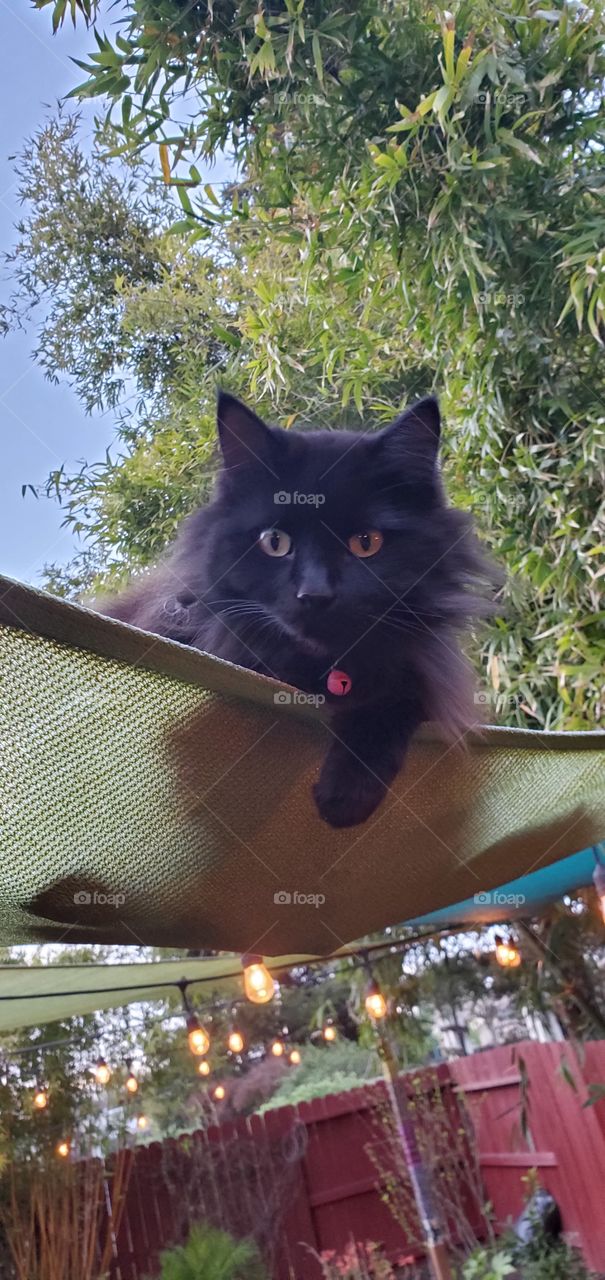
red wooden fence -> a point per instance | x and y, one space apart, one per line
311 1178
564 1138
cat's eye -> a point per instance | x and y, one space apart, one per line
274 542
365 544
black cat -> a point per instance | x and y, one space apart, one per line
330 560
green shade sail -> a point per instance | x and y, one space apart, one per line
151 794
34 994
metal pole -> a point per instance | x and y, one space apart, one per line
428 1212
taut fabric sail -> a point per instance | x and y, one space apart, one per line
153 794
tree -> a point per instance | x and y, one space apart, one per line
420 206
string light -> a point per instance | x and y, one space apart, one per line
102 1072
375 1003
259 986
236 1042
508 955
197 1038
598 877
132 1084
41 1097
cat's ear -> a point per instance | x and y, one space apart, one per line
413 438
245 440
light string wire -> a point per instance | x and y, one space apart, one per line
389 947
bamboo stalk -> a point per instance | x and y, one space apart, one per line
58 1223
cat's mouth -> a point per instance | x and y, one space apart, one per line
309 642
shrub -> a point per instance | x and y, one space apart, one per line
542 1259
212 1255
485 1264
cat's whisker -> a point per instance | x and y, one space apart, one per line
402 625
254 613
418 612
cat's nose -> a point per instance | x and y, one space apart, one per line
314 598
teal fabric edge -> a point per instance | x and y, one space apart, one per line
522 897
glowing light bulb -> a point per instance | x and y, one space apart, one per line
259 986
142 1122
63 1148
598 877
295 1058
203 1067
329 1033
277 1048
376 1005
236 1042
40 1098
199 1040
219 1092
132 1083
508 955
102 1072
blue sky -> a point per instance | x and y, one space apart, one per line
41 425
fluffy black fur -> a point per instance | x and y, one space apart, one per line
389 621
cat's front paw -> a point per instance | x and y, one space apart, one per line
349 798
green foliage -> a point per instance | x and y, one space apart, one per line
330 1069
543 1259
91 232
212 1255
87 8
540 1259
487 1264
553 1262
